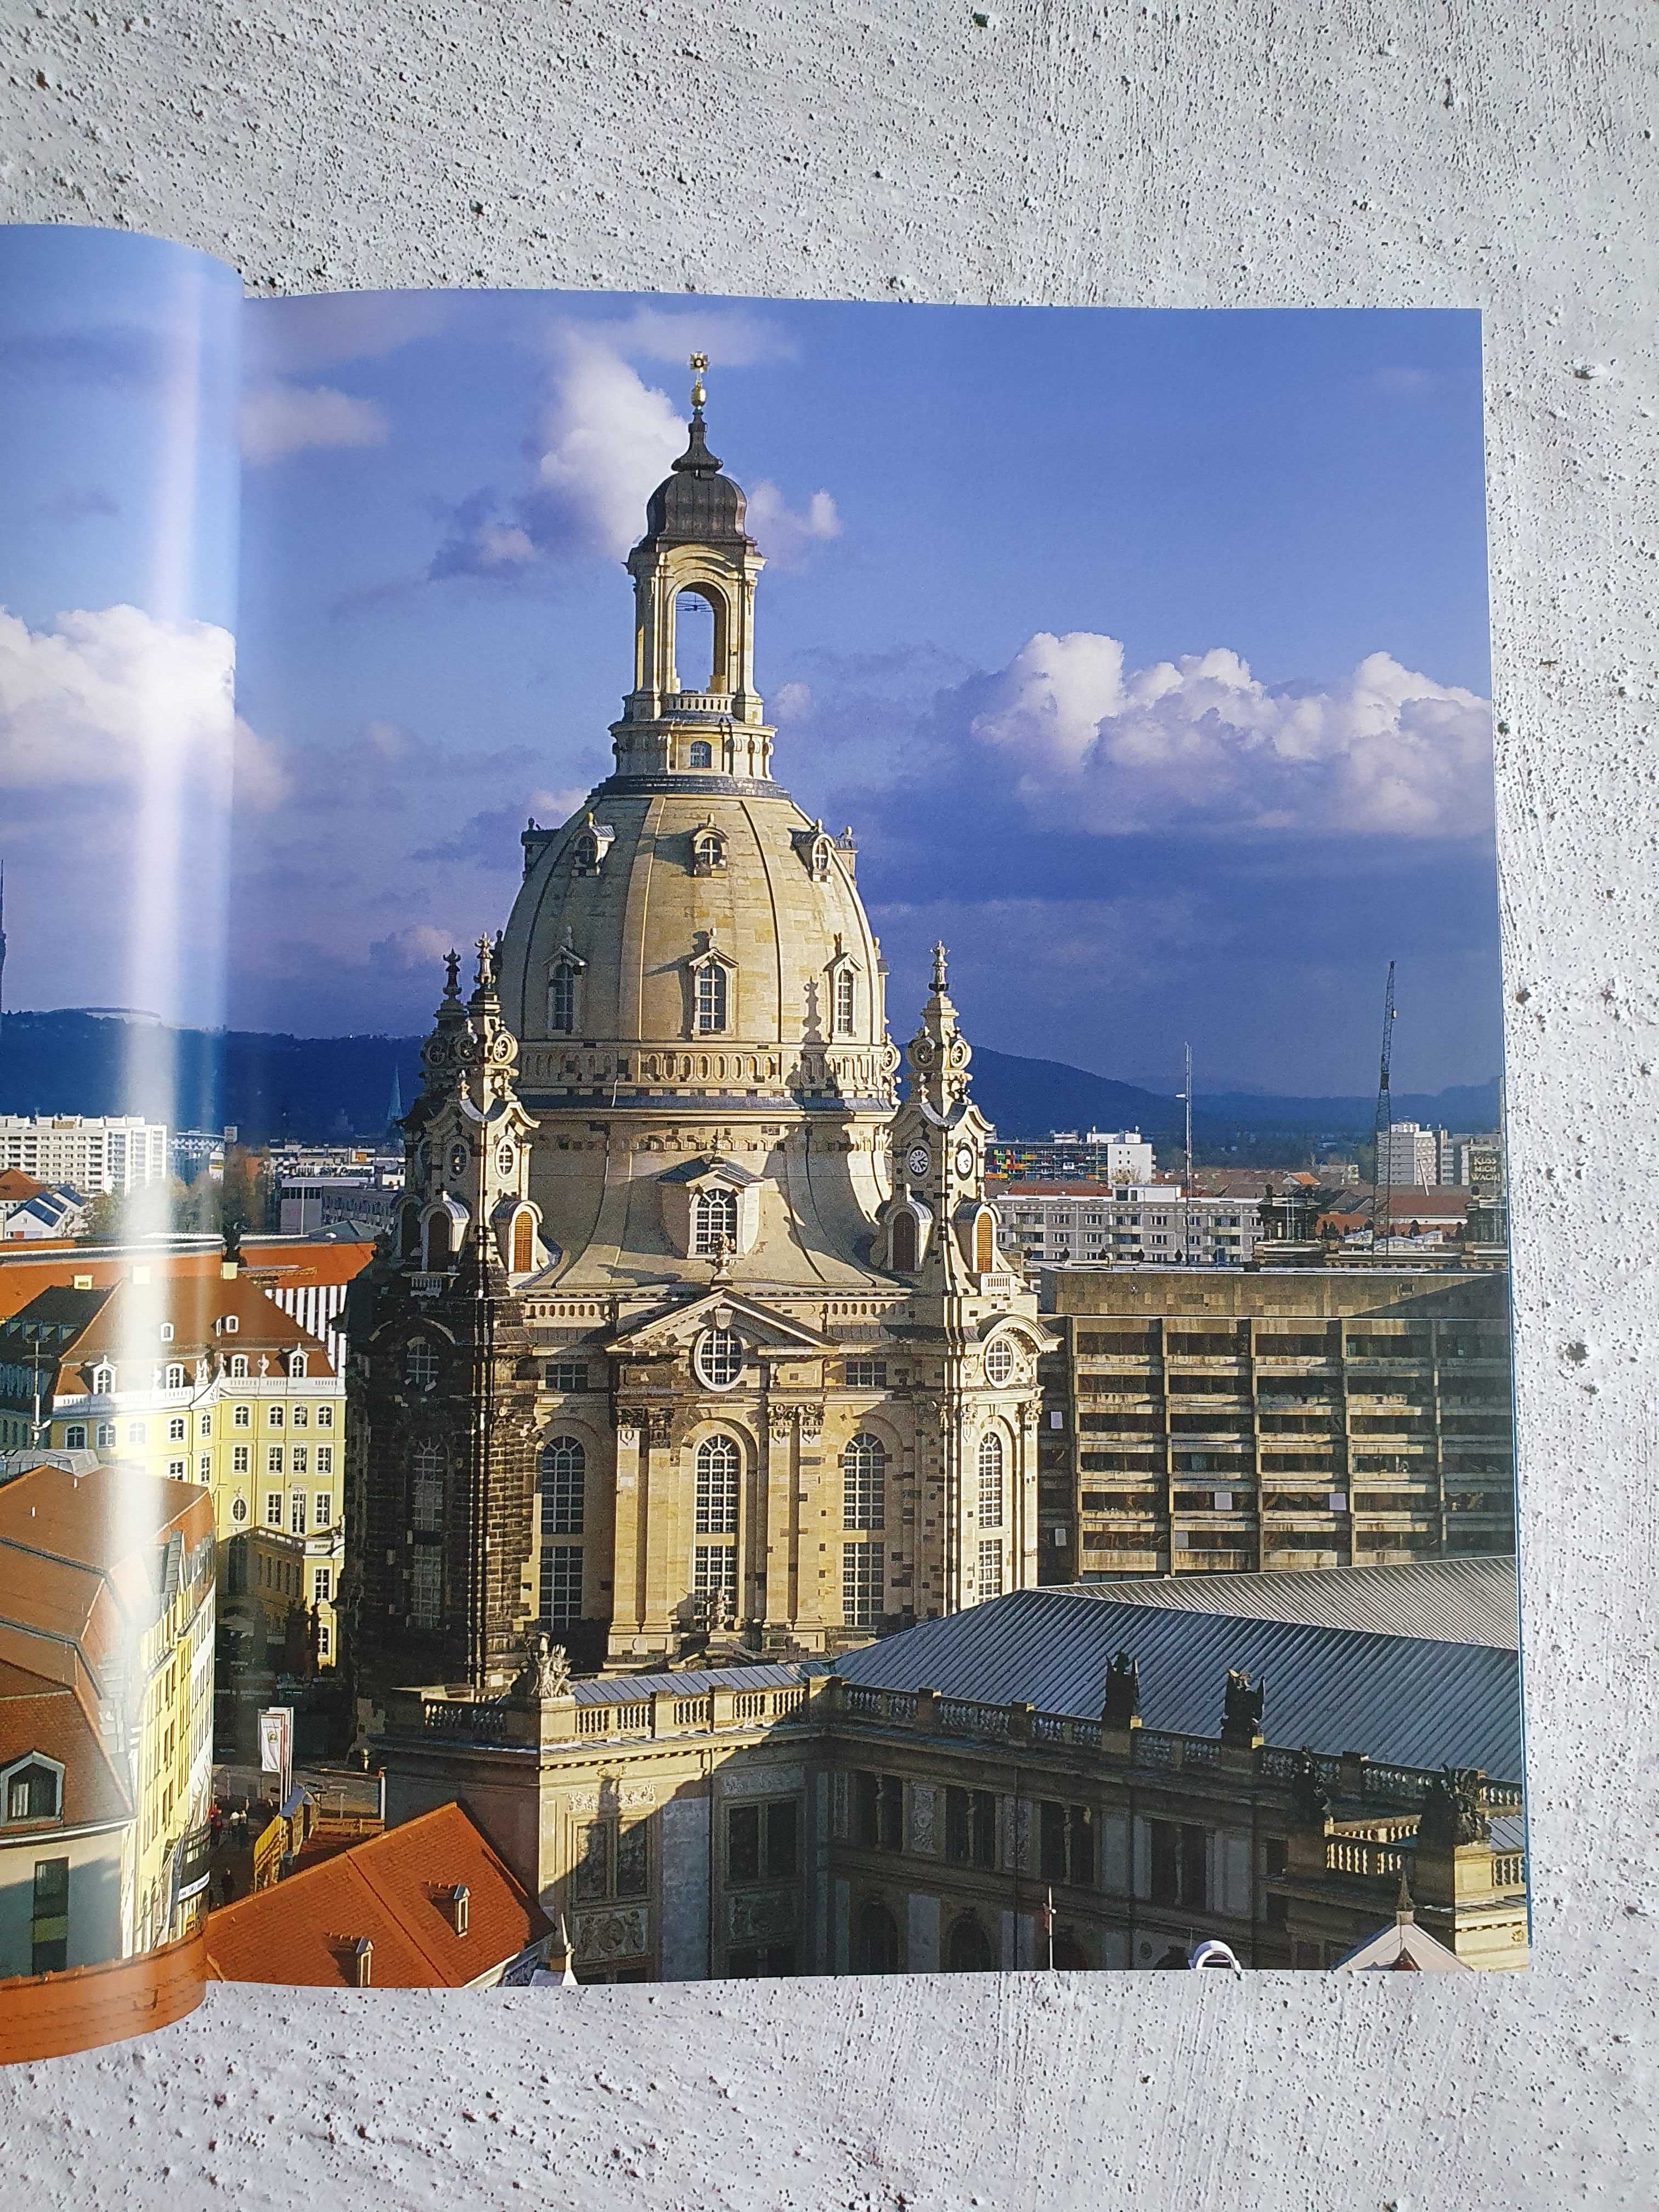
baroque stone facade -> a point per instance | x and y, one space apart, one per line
682 1264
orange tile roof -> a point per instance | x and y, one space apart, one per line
38 1713
91 1518
194 1304
393 1888
281 1263
15 1187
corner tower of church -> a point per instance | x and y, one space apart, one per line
785 1391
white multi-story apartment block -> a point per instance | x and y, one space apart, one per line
1113 1156
1414 1156
90 1152
1066 1224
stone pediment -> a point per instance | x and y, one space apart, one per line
757 1325
710 1168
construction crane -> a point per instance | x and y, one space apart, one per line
1382 1123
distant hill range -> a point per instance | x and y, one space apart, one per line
315 1089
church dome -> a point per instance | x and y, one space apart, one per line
671 926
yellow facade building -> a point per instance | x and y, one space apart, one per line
197 1377
106 1632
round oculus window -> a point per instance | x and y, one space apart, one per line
999 1360
718 1358
239 1510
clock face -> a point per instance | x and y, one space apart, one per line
917 1159
965 1160
458 1158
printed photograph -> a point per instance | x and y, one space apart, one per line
751 1084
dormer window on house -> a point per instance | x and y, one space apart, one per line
230 1324
34 1790
713 1219
167 1332
175 1377
238 1366
296 1366
103 1382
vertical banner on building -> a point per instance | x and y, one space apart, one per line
276 1746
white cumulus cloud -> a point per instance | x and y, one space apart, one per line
113 699
611 440
1202 742
785 533
279 419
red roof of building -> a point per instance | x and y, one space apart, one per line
60 1720
16 1189
277 1263
394 1889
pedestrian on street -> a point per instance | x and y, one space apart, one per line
226 1886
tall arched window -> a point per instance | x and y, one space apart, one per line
845 1003
984 1244
703 755
719 1464
564 1469
878 1939
437 1242
524 1244
864 1482
296 1368
714 1216
175 1380
711 999
904 1244
409 1241
990 1480
968 1950
426 1490
562 1002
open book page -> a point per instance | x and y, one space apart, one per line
865 1458
118 478
771 1232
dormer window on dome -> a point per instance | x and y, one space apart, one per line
564 976
816 850
708 851
594 841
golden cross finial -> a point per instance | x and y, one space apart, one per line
697 364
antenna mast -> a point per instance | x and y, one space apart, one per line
1188 1095
1382 1123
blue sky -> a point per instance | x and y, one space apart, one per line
119 473
1145 653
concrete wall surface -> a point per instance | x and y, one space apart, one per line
1313 152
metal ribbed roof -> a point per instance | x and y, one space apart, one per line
1420 1701
1443 1601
